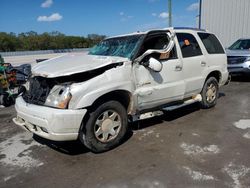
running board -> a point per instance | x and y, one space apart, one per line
195 99
148 115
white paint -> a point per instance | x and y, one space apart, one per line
17 152
242 124
150 184
247 135
146 134
157 135
8 178
196 175
195 134
147 183
197 150
139 131
4 131
236 173
80 62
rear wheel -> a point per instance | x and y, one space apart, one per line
105 128
210 93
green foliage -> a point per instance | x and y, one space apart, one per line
46 41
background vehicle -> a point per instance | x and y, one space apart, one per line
239 57
11 78
136 76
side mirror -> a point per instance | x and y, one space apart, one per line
154 64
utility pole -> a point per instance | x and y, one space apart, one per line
199 16
170 13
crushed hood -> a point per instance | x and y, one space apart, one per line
72 64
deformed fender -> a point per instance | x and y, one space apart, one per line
88 99
86 93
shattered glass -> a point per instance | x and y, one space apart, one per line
119 46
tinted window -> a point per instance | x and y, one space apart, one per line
243 44
211 43
189 45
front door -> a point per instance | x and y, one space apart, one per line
157 88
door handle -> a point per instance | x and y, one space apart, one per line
203 64
178 68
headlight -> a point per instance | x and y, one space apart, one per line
59 97
247 59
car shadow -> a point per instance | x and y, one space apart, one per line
240 78
221 94
72 147
168 116
77 148
66 147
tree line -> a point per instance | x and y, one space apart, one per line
46 41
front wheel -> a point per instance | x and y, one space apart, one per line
105 128
210 93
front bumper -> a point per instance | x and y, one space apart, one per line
50 123
239 68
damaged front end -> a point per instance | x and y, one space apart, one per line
56 92
48 92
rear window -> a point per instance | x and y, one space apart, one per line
189 45
211 43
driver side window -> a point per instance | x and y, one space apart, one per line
158 42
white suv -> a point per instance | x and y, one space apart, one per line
92 96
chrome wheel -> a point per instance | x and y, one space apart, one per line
211 93
107 126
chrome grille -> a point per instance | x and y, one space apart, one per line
37 91
236 59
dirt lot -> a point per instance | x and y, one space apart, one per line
188 147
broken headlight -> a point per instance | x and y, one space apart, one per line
59 97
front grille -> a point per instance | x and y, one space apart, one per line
236 59
38 91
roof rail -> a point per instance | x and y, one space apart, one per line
191 28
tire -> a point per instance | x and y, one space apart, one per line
210 93
105 128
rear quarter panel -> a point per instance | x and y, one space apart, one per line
214 62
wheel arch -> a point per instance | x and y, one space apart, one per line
216 74
122 96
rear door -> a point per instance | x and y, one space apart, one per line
214 53
194 63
